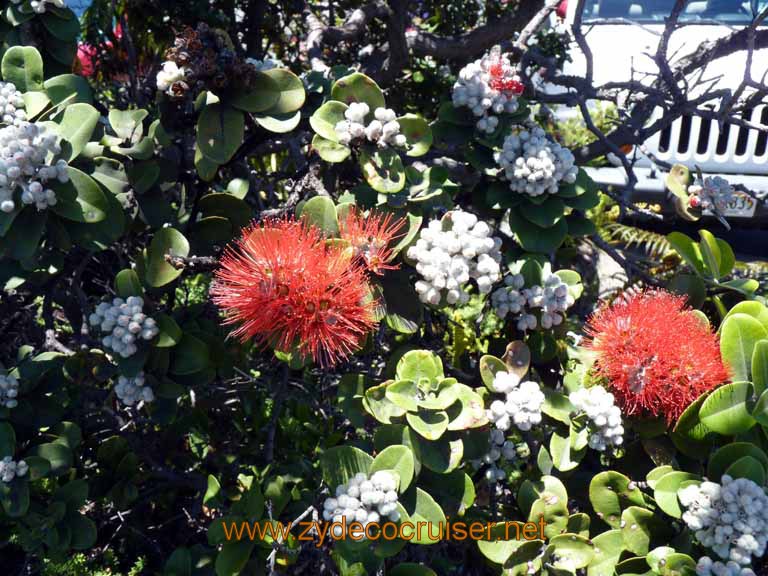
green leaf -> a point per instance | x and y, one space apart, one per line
760 411
83 531
320 211
563 457
726 456
127 283
233 557
379 406
689 250
489 367
127 124
341 463
261 95
468 412
608 548
396 458
330 151
220 132
291 91
403 393
65 86
66 29
190 355
411 569
534 238
358 88
14 497
726 411
38 467
641 528
325 118
35 103
166 241
7 440
752 308
213 495
80 199
278 123
569 550
404 311
546 214
503 541
417 134
760 366
383 170
77 127
179 563
429 424
666 489
170 334
718 256
23 67
420 364
57 454
738 335
611 492
237 211
748 467
238 187
428 511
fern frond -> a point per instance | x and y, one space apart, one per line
654 245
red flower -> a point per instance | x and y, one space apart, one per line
287 288
499 72
656 356
372 238
562 9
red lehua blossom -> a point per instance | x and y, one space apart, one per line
498 72
562 9
287 288
372 238
656 356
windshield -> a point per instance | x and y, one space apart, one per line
654 11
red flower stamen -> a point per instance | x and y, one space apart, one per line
285 287
372 239
656 356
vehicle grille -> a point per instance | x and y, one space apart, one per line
697 141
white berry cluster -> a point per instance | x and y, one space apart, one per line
168 75
39 6
131 391
447 259
522 406
475 89
553 299
731 518
383 130
10 469
25 149
713 193
501 449
9 390
125 324
264 65
364 500
707 567
535 164
11 104
604 415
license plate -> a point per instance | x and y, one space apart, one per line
739 206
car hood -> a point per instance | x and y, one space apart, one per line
623 52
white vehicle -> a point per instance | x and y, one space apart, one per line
623 36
